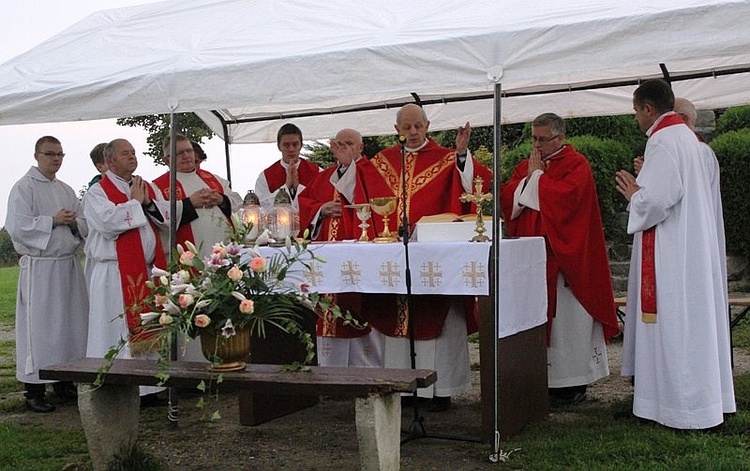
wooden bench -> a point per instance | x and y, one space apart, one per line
110 413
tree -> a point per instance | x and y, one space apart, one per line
8 254
158 127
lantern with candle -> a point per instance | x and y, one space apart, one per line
283 219
251 213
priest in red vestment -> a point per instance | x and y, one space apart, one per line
324 213
552 195
291 174
435 179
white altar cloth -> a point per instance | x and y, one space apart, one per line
446 268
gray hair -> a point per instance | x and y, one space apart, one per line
555 123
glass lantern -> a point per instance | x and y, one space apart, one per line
251 212
283 220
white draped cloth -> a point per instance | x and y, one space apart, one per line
107 221
51 303
682 363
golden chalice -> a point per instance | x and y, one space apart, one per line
384 206
363 214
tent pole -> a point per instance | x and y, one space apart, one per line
174 409
225 130
494 291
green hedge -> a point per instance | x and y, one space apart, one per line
606 156
733 119
733 151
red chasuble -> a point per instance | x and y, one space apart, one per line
185 231
433 186
346 227
133 269
570 222
275 175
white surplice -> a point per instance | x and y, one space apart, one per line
51 302
107 221
682 363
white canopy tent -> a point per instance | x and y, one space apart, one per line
246 65
327 64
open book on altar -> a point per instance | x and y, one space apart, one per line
449 227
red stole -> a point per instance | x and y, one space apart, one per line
133 268
648 247
185 231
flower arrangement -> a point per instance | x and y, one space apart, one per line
233 288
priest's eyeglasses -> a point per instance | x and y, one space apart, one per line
544 140
52 155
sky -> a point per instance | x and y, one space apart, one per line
28 23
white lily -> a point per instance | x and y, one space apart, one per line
238 295
147 317
156 271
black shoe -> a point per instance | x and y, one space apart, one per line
39 404
439 404
65 390
153 400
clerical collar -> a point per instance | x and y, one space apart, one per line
555 153
417 149
286 165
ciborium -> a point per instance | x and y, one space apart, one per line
384 206
363 214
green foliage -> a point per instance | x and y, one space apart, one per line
135 458
8 254
320 154
733 151
734 119
8 285
605 156
622 128
158 125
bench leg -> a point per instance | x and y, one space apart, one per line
379 432
109 416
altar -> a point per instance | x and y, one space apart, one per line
513 362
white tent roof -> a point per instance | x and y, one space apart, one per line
262 61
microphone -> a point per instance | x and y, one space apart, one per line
401 140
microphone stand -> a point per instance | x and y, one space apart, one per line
416 429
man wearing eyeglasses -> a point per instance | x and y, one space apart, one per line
45 222
205 200
552 194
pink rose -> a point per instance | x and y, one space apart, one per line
161 300
235 274
185 300
186 258
247 306
258 264
202 320
165 319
